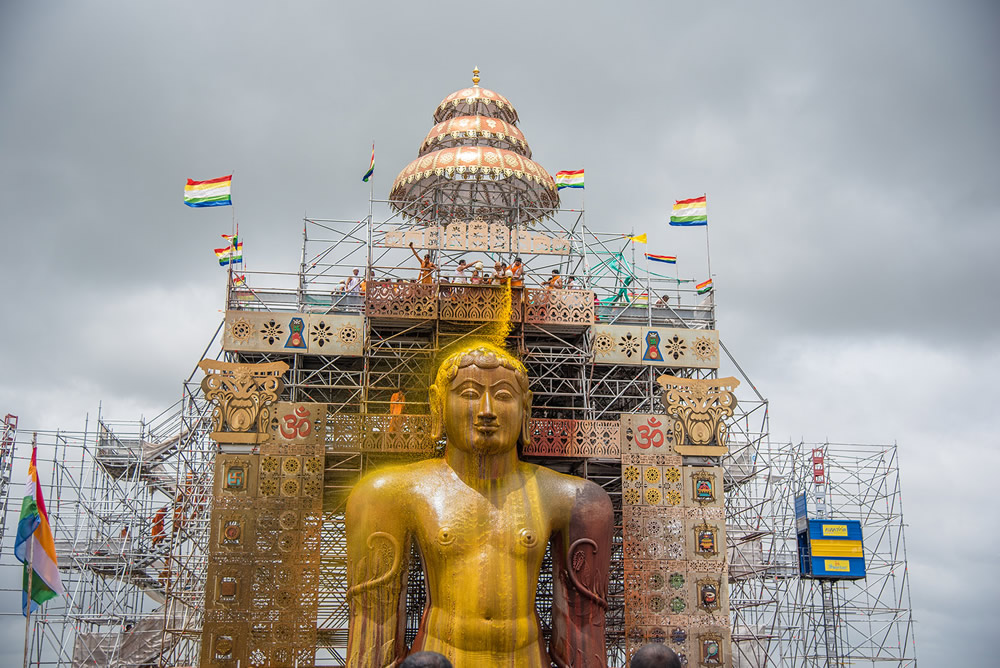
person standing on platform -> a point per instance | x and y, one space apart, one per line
517 273
426 266
499 273
460 271
354 282
396 404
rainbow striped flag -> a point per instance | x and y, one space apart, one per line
702 288
371 167
669 259
231 254
689 212
33 530
214 192
569 179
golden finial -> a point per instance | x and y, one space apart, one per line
475 76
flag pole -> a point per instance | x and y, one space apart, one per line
708 250
31 570
649 291
583 234
235 229
27 611
371 220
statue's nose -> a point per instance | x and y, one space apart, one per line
486 405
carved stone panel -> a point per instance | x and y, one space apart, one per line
396 433
304 333
463 302
710 648
574 438
647 434
299 423
655 346
559 307
475 236
703 486
242 395
616 344
687 348
706 541
699 409
235 478
401 300
336 335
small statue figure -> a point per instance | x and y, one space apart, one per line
652 353
295 327
481 520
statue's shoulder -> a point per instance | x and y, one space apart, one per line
574 489
396 481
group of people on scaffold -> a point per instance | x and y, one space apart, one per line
465 273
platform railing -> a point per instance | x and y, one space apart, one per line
481 302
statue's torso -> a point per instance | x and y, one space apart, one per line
482 552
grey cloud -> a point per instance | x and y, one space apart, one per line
849 153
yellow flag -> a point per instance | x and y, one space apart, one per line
640 238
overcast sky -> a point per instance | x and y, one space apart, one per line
849 152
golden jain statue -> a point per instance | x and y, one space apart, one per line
481 519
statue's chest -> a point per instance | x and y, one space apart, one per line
473 527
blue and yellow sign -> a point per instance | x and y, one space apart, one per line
831 550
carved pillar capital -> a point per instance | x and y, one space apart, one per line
242 395
700 409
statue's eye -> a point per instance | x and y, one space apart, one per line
469 393
503 394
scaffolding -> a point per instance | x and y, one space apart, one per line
360 325
860 622
126 503
406 326
7 439
131 500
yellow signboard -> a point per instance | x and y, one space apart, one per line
836 548
839 530
838 565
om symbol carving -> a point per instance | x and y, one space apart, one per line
649 434
296 424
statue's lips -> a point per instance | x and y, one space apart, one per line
486 429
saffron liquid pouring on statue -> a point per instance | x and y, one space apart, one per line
481 520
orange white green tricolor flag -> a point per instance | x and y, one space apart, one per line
214 192
34 545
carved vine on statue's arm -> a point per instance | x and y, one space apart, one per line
378 555
581 560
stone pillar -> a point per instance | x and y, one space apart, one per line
263 567
674 528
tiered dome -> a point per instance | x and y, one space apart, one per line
474 165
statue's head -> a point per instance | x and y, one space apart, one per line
480 399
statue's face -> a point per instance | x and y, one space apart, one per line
483 410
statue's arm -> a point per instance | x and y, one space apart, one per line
581 556
377 560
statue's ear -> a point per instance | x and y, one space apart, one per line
437 421
526 420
